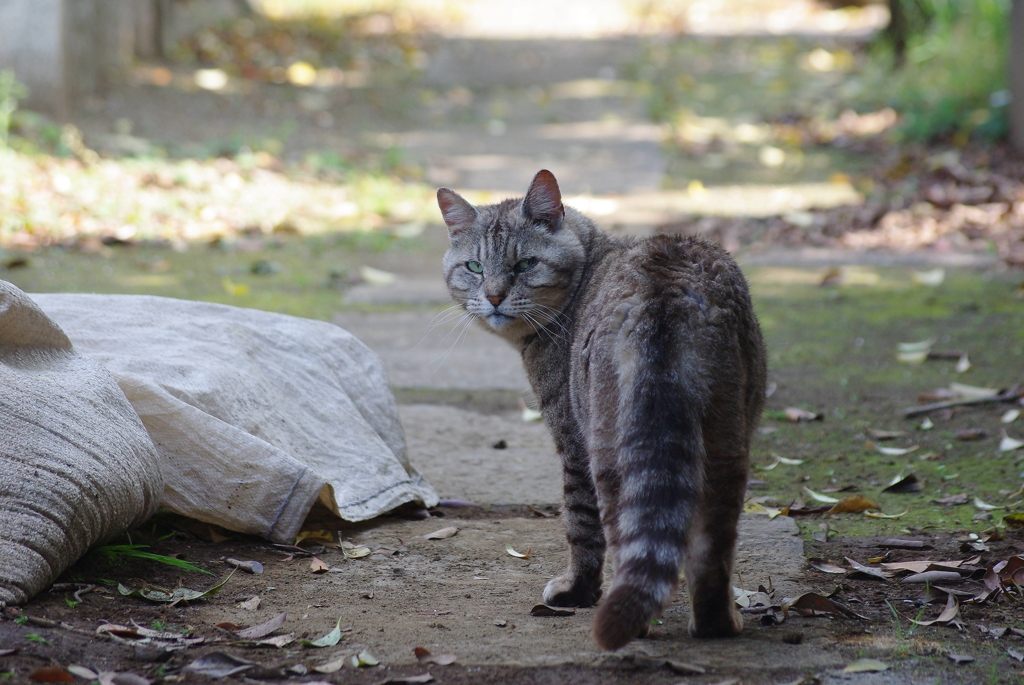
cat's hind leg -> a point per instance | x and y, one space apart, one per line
711 546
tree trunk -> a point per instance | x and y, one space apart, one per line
1016 76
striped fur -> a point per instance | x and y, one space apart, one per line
649 367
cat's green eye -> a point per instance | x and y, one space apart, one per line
525 264
475 267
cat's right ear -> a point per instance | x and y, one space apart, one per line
458 214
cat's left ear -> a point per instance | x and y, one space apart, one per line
543 201
458 214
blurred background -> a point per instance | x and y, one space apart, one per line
284 153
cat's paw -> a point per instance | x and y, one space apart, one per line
567 591
728 623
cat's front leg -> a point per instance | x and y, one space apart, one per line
580 585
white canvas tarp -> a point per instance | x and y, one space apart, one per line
254 415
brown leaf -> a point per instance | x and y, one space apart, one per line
918 566
683 668
318 566
861 569
908 483
424 656
971 434
949 613
51 674
853 504
813 604
933 577
896 543
545 610
824 566
442 534
263 629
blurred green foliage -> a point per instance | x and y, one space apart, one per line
10 92
949 68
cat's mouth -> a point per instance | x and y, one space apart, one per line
497 321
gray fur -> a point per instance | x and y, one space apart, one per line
649 366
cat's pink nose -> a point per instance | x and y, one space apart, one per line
495 299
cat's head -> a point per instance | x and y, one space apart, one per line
514 264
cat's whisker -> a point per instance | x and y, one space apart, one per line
541 329
458 322
448 314
465 329
551 316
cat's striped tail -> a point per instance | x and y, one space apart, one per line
660 462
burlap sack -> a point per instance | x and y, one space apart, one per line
76 464
255 415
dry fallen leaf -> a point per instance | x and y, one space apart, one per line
318 566
952 500
948 615
898 543
408 679
251 604
880 515
51 674
876 434
545 610
908 483
866 666
933 577
442 534
1008 444
1015 520
247 566
854 504
960 658
963 365
796 415
330 666
1010 416
813 604
314 535
825 566
351 551
932 277
895 451
263 629
862 570
517 555
424 656
817 497
985 506
364 658
915 352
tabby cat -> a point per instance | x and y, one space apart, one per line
649 366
